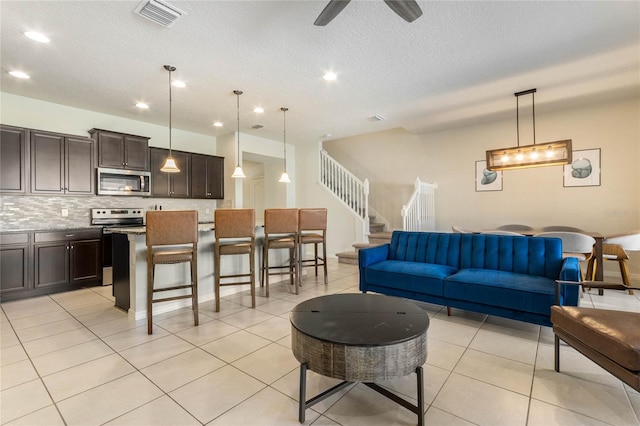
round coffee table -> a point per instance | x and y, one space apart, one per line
360 338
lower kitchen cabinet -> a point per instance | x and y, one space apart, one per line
46 262
71 257
15 258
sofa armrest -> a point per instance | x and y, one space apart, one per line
372 255
569 276
570 270
369 256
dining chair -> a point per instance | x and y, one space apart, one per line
615 248
280 232
514 227
178 229
460 230
502 232
312 229
574 244
560 228
234 236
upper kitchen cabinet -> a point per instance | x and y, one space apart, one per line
13 159
121 150
61 164
170 184
207 176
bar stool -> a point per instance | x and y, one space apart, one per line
235 235
280 232
171 228
312 229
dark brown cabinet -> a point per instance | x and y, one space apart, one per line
15 258
61 164
13 159
67 259
44 262
170 184
121 150
207 176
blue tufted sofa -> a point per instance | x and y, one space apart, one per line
507 276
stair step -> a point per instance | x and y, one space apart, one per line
348 257
376 227
358 246
380 237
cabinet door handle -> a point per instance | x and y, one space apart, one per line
70 235
67 247
72 247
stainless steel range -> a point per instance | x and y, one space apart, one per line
113 218
117 217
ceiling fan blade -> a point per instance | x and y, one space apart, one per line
406 9
330 11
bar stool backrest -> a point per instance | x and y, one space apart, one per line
281 221
312 219
168 227
234 223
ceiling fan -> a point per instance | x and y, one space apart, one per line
406 9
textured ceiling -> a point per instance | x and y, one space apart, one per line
458 64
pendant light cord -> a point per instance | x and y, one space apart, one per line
238 93
170 113
284 126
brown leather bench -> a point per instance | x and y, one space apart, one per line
609 338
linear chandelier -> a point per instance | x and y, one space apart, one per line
521 157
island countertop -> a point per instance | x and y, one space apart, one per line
142 230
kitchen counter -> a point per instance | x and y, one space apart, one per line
130 270
141 230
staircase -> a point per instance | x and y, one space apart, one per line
378 236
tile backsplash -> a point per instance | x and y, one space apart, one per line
33 212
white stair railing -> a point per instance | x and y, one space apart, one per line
419 214
347 188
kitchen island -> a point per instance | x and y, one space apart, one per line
130 270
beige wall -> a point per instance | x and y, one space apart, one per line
392 160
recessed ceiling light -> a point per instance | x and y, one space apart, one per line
330 76
258 110
37 36
142 105
217 124
178 83
19 74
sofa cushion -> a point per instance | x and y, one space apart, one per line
614 334
523 255
410 276
426 247
521 292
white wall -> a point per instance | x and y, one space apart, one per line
35 114
535 197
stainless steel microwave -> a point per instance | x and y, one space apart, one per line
123 182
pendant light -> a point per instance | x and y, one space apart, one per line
170 165
285 177
521 157
238 173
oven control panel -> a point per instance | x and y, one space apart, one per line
117 216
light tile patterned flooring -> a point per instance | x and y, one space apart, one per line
72 358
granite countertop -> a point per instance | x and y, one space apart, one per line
51 229
141 230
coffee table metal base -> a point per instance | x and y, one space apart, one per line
304 403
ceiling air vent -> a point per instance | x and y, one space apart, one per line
256 126
159 12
